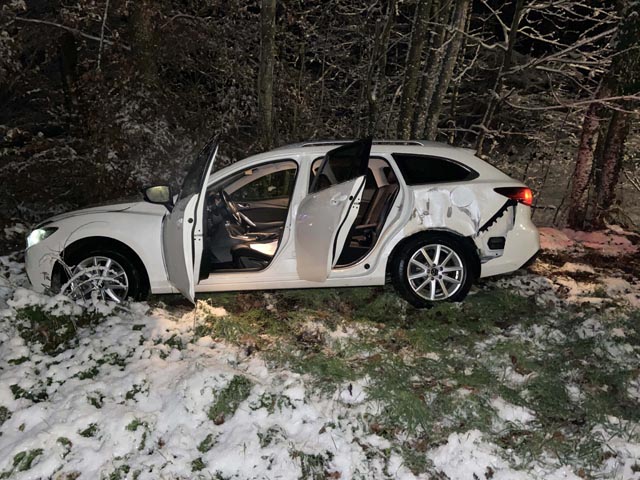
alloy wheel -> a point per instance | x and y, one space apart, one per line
100 278
435 272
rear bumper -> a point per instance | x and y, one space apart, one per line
521 246
531 261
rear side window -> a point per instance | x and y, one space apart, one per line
421 169
341 165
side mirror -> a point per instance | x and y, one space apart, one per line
159 194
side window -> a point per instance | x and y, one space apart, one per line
340 165
268 182
194 179
422 169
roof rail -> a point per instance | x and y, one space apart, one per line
399 142
320 143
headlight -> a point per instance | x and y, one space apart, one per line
39 234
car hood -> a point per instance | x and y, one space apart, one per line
134 207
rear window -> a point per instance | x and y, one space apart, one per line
421 169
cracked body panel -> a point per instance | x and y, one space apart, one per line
479 214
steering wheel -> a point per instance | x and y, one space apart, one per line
233 211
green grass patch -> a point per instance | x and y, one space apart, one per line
22 461
96 399
207 444
89 373
54 332
313 466
229 398
271 435
272 402
17 361
5 414
90 431
175 341
66 445
120 473
382 306
112 358
393 384
136 389
230 328
33 394
134 424
197 465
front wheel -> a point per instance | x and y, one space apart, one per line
432 268
103 274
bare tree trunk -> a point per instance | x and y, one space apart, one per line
298 99
433 65
375 81
458 74
610 165
265 74
144 40
623 77
584 162
507 61
459 21
104 24
68 67
409 88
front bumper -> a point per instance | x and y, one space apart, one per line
39 262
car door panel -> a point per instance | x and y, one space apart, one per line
326 215
183 227
322 223
176 241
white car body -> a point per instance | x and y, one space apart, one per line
469 209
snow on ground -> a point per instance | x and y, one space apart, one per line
134 399
512 413
134 396
468 456
612 242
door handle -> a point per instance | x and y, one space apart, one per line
338 198
243 205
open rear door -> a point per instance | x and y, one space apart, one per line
183 227
326 215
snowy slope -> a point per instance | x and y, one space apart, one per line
131 397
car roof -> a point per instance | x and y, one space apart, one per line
318 148
385 145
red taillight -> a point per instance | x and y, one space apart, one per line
523 195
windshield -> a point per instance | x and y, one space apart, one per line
195 177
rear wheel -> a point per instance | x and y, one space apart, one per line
103 274
432 268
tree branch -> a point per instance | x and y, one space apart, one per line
104 24
557 55
72 30
578 103
633 181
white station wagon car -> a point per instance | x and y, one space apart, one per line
429 216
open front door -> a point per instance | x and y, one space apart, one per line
326 215
183 227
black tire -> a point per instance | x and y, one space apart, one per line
400 268
137 277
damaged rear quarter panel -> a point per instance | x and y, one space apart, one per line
462 209
470 210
